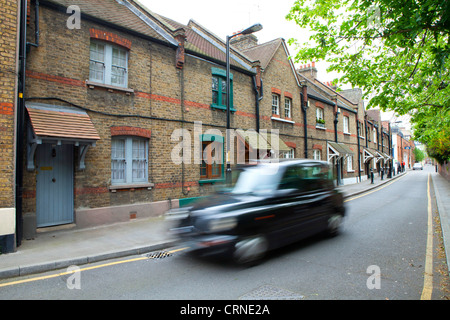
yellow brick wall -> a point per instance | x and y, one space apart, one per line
8 71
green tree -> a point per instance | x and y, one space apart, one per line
396 51
419 155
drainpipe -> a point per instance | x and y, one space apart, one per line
365 128
20 125
338 162
36 26
304 97
336 120
382 145
359 147
259 94
180 36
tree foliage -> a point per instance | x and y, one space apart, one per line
419 155
396 51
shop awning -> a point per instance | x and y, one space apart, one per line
253 139
339 150
275 142
262 141
386 156
59 125
379 155
368 155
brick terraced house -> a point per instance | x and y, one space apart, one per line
125 112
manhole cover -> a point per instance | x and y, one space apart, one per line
269 292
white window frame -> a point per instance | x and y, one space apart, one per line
317 154
350 164
346 122
319 113
287 107
128 160
289 154
275 104
108 64
361 162
374 135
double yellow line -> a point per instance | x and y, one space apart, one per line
81 269
428 277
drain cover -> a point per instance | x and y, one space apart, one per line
269 292
158 255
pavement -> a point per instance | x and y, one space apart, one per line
59 249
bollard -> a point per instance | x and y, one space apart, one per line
371 176
382 173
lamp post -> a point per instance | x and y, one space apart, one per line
250 30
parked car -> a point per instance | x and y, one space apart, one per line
417 166
271 205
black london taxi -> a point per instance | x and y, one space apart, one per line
270 205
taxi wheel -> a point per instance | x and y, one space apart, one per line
334 224
250 250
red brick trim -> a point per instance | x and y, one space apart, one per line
277 91
245 114
110 37
167 185
317 146
6 108
290 144
130 131
52 78
288 94
156 97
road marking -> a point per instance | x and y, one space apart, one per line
82 269
428 276
375 190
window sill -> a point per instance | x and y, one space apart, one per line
347 133
321 128
110 88
115 187
281 120
220 107
210 181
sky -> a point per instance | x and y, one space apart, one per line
228 16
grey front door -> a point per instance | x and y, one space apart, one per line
54 185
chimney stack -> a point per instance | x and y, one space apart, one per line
308 71
243 42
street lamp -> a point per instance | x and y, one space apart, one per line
250 30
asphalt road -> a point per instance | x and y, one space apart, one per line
380 254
